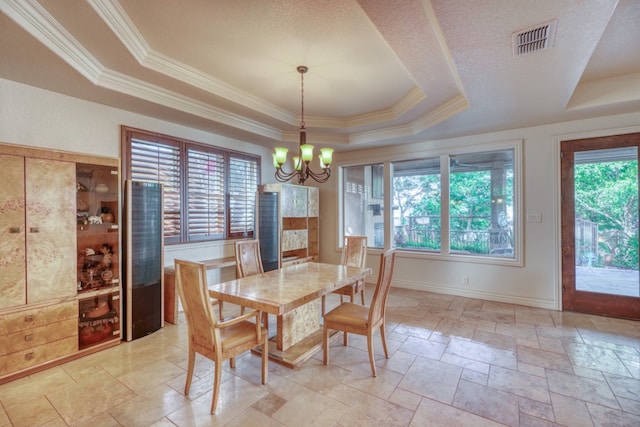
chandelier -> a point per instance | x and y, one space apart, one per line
301 168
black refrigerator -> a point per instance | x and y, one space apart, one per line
143 250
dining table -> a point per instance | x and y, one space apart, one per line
292 294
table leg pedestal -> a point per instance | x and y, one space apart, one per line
298 353
298 335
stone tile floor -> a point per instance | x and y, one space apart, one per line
453 362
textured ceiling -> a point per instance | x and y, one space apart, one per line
380 72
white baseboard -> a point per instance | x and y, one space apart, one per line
470 293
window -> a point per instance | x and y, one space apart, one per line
447 204
416 204
481 203
205 195
243 184
362 212
159 162
377 181
209 192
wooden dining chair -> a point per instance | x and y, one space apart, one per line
354 254
248 260
362 320
211 338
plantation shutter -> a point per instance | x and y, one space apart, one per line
152 161
243 184
209 191
205 192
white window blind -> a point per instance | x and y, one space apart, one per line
243 184
156 162
205 195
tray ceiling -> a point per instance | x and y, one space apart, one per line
380 72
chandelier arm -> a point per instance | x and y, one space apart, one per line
325 174
325 171
303 175
321 180
283 176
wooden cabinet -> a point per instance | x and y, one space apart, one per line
43 301
298 222
38 230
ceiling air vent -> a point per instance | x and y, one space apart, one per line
533 39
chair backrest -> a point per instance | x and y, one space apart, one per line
354 251
191 281
248 259
379 299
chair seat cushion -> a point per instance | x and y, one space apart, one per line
354 315
235 335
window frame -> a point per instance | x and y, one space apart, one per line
445 253
184 146
368 204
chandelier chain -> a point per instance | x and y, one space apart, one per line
302 99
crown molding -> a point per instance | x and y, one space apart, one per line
608 91
34 19
142 90
41 25
115 17
455 105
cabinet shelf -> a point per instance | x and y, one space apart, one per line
98 272
98 292
98 319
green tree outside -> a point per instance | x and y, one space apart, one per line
607 194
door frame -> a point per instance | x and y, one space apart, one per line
583 301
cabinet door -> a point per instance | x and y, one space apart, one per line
50 190
294 201
98 237
12 237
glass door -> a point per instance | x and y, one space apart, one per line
600 226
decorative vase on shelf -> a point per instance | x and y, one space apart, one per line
106 217
102 188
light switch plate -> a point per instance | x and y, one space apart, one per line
534 217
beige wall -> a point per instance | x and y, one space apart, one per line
30 116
